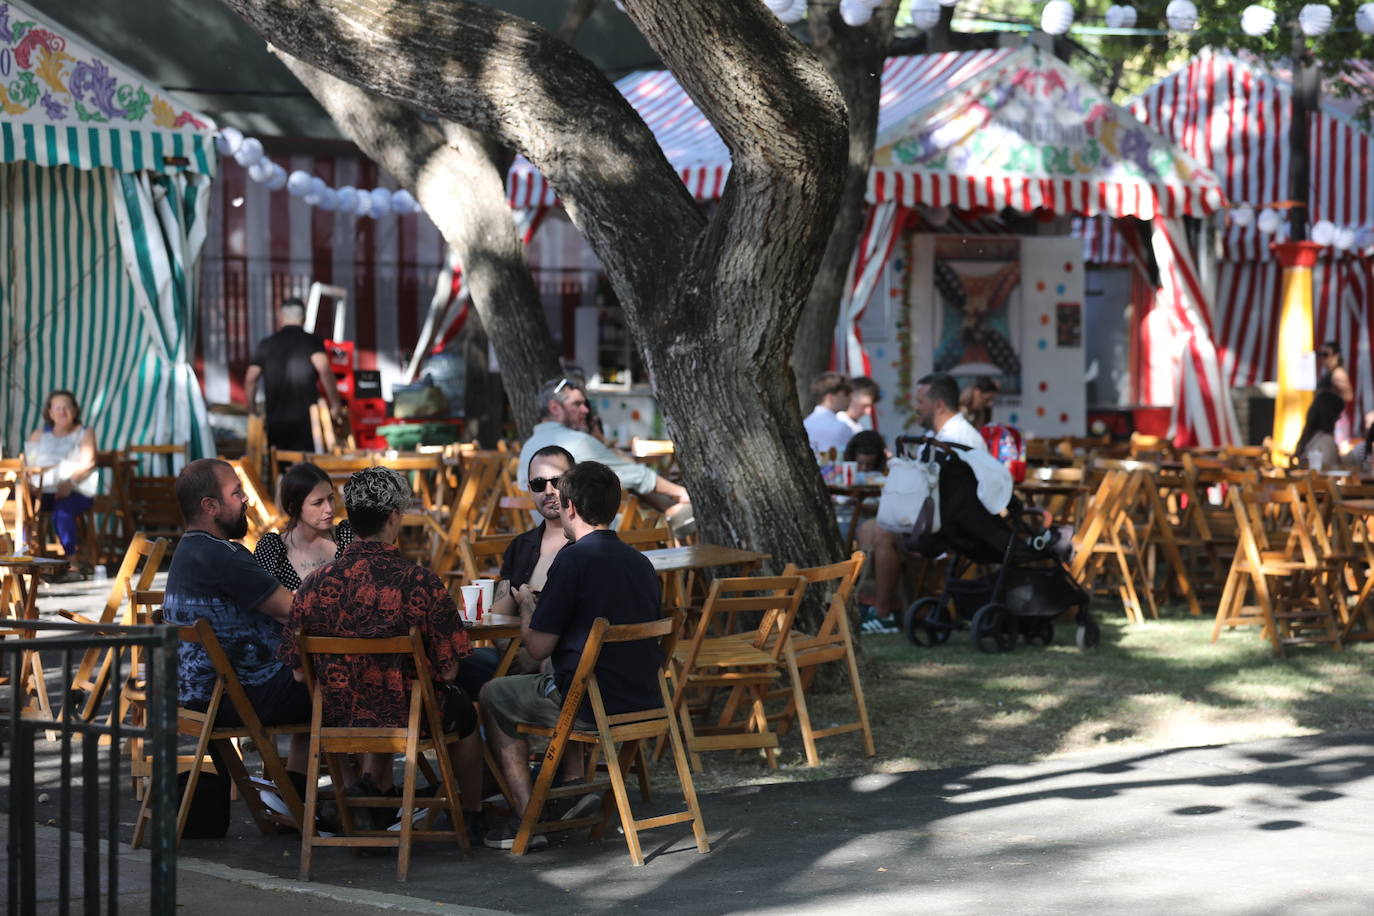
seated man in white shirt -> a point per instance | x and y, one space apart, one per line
824 429
937 407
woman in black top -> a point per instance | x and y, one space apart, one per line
310 538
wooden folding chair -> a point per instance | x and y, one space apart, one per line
168 452
1291 584
220 738
477 560
618 739
1100 540
480 477
747 663
135 574
422 733
153 507
833 642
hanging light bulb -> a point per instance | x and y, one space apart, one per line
1182 15
855 12
277 180
249 152
348 199
1315 19
1056 17
1121 17
1257 20
329 200
381 202
925 14
261 171
1364 18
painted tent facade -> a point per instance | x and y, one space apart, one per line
973 132
104 185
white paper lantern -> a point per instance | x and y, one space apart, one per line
1182 15
329 200
228 141
381 202
402 203
1315 20
873 4
1257 21
249 152
925 14
261 171
794 13
1269 221
1121 17
777 7
299 183
1364 237
312 199
348 199
1345 238
1056 17
277 180
1364 18
855 12
317 186
1243 216
362 203
1323 232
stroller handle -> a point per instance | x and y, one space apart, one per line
903 441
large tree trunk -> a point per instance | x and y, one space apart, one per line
714 304
455 174
854 57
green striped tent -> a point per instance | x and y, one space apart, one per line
104 187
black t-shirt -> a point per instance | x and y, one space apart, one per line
288 378
602 576
522 556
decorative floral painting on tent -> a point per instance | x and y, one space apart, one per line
978 283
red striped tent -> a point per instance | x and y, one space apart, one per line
1233 116
980 131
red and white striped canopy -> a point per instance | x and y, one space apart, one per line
991 128
1233 116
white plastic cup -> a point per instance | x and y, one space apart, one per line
847 471
1314 459
472 603
99 574
488 593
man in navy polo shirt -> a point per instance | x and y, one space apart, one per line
597 575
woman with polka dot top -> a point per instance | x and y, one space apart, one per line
310 538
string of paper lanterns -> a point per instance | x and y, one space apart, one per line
1057 16
1323 232
311 189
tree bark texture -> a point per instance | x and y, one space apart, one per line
714 304
454 175
854 57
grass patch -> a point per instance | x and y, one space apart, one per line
1154 685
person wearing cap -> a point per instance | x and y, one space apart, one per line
372 591
564 406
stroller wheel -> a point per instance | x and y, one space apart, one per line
1089 634
994 629
1037 631
927 623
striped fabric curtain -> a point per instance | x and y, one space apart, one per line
162 227
67 316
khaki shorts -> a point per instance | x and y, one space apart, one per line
529 699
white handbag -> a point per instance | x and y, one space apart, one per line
912 486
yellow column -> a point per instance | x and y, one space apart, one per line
1294 342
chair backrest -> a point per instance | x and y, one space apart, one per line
226 679
775 598
665 630
169 452
149 554
647 538
411 644
845 577
477 556
153 505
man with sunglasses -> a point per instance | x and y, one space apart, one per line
529 555
565 408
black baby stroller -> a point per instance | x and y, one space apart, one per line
1030 588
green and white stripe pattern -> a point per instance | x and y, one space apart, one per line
123 150
72 317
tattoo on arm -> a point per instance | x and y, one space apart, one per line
502 590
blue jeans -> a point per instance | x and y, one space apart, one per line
64 514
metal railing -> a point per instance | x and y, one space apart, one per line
157 646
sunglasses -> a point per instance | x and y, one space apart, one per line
537 484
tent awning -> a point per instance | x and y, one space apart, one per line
64 103
991 128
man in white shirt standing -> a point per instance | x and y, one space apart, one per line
823 427
863 394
